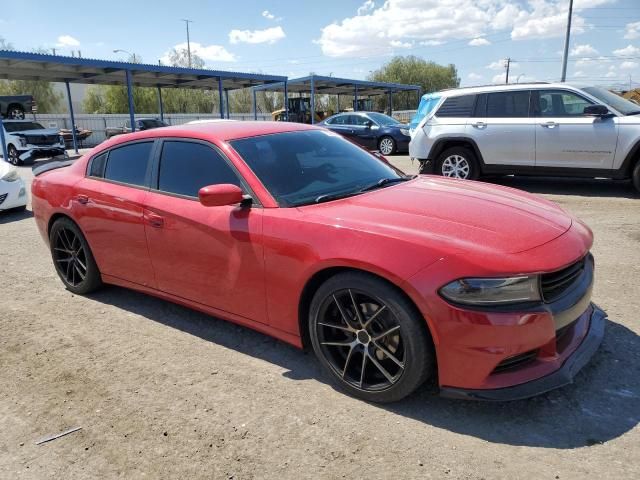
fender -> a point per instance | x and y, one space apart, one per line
442 143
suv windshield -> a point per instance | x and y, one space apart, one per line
427 104
382 119
311 166
622 105
20 126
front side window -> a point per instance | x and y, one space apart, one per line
128 164
622 105
301 167
186 167
508 104
382 119
359 120
337 120
561 103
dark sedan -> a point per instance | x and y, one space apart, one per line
372 130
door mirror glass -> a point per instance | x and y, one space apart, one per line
596 111
220 195
368 124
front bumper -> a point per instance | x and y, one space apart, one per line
32 153
12 194
559 378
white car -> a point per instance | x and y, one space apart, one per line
13 193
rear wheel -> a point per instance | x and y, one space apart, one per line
370 338
387 145
72 257
636 176
458 162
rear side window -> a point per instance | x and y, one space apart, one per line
508 104
128 164
186 167
97 166
461 106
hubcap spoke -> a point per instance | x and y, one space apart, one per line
381 368
364 367
357 309
337 344
343 314
389 354
339 327
373 317
346 362
84 267
384 334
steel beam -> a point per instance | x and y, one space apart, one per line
226 101
5 152
286 102
160 106
355 98
255 105
73 120
132 117
220 97
313 101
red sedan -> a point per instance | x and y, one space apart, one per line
295 232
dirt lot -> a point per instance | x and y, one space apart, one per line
164 392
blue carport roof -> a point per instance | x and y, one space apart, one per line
337 86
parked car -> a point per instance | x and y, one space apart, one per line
28 141
13 194
15 106
529 129
294 231
141 124
372 130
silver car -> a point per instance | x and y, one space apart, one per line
533 129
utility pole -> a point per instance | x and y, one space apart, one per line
565 54
187 22
507 65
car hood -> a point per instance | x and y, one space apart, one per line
435 210
39 131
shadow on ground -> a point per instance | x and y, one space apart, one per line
602 405
16 215
583 187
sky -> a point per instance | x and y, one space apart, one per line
347 38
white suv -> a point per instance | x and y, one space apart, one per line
530 129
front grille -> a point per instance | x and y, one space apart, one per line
42 139
516 361
3 198
554 284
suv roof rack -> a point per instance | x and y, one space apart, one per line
492 85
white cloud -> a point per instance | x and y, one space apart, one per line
67 41
479 42
500 78
611 74
501 65
628 65
432 43
268 14
585 50
579 74
627 51
268 35
474 76
366 7
212 53
399 44
632 31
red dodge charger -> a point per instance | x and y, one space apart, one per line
296 232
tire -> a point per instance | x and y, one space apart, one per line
458 162
15 112
636 176
396 338
72 258
14 156
387 145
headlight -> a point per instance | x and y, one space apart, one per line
23 141
405 131
11 175
492 291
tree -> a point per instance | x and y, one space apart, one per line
47 99
413 70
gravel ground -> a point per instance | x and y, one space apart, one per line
161 391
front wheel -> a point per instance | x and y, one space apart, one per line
370 338
14 156
458 162
387 145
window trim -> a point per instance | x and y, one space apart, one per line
155 170
535 106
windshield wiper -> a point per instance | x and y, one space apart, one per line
327 197
383 182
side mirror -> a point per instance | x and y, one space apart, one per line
596 111
369 124
220 195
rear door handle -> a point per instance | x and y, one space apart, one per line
479 124
549 124
81 199
153 219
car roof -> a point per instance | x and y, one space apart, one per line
506 87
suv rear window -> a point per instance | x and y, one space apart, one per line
461 106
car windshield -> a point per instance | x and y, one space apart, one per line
622 105
311 166
382 119
426 106
20 126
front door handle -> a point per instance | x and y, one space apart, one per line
549 124
153 219
479 124
81 199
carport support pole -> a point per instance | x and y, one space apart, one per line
160 106
73 120
338 107
390 103
286 102
255 105
226 101
132 119
313 101
220 97
355 98
5 153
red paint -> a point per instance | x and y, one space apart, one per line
250 265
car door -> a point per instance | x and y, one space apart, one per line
503 129
108 206
365 131
567 138
209 255
337 124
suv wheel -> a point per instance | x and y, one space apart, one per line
14 156
458 162
15 112
636 176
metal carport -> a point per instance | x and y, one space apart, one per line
55 68
318 84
